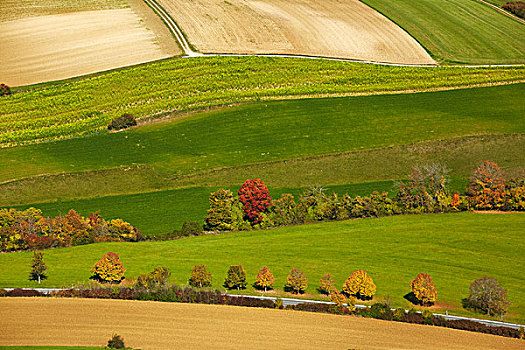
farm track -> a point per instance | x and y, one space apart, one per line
154 325
185 45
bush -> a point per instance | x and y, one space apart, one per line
488 296
424 290
200 277
154 279
284 211
398 315
516 7
296 282
264 279
515 198
279 304
236 277
116 342
311 307
360 285
486 189
326 284
19 292
255 197
220 215
109 269
123 122
380 311
191 229
4 90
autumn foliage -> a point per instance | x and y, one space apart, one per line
200 277
109 269
220 214
360 285
326 284
255 197
236 277
486 189
297 281
264 279
424 290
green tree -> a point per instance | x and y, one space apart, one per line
38 267
220 215
296 282
200 277
236 277
488 296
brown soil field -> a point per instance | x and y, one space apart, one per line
54 47
331 28
155 325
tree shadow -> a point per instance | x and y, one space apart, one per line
411 297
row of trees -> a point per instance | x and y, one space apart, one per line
426 191
486 294
29 229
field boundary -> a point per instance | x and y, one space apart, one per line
506 13
294 301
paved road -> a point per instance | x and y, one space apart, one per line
292 301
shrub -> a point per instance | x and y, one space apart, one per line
284 211
360 285
123 122
116 342
380 311
191 229
264 279
515 7
154 279
398 315
279 304
19 292
38 267
220 215
109 269
488 296
486 189
428 317
339 299
311 307
236 277
424 290
200 277
296 282
426 190
4 90
125 231
515 198
326 284
255 197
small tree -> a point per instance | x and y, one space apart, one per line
486 189
424 290
125 121
236 277
360 285
200 277
255 197
326 284
109 269
38 267
339 299
156 278
220 215
296 282
4 90
264 279
116 342
488 296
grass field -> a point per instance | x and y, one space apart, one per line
453 248
86 106
458 31
167 326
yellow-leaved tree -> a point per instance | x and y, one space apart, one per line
264 279
360 285
109 269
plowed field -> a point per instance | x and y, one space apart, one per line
335 28
45 48
154 325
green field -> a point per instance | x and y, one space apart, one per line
178 85
290 144
453 248
458 31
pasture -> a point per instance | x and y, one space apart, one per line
153 325
86 106
458 31
454 249
328 28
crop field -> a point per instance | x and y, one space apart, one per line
86 106
153 325
346 29
454 249
458 31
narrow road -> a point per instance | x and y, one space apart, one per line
292 301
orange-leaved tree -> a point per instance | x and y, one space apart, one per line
264 279
486 189
424 290
108 269
360 285
200 277
296 282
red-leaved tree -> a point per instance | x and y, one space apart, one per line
255 197
486 189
